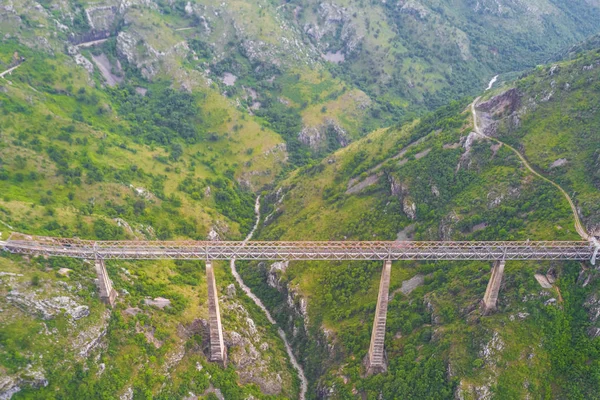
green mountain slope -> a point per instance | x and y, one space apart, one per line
147 119
551 115
436 180
320 74
429 51
143 160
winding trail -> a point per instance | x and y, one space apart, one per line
9 71
578 225
259 303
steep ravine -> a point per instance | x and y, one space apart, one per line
246 289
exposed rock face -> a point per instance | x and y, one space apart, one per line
231 292
148 60
409 208
47 308
246 350
12 384
101 18
92 338
413 8
436 319
318 137
335 24
465 159
400 190
447 225
213 235
9 385
127 48
273 278
490 350
489 353
294 300
504 108
84 62
592 304
159 302
295 308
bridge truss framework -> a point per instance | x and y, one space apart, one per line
347 250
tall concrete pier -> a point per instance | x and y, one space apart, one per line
490 300
376 362
107 294
217 346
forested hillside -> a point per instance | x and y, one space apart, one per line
437 180
320 74
409 54
152 119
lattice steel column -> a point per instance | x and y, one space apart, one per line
490 299
217 346
107 294
376 362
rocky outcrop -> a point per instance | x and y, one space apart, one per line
47 308
319 137
490 354
503 109
592 305
84 62
294 300
9 385
12 384
295 310
101 18
400 190
447 226
247 350
334 25
148 60
414 8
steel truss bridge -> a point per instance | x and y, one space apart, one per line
259 250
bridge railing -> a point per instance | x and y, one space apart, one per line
299 250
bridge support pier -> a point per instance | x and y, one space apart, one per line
490 299
217 346
376 360
107 293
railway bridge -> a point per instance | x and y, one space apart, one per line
497 252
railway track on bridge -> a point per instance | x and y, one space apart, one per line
335 250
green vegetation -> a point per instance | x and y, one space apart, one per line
78 160
458 194
560 137
141 341
209 114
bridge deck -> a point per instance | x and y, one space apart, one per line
255 250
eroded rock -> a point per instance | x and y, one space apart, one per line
47 308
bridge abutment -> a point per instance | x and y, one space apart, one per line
376 360
217 346
490 299
107 293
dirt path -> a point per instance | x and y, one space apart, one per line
578 225
9 71
259 303
92 43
